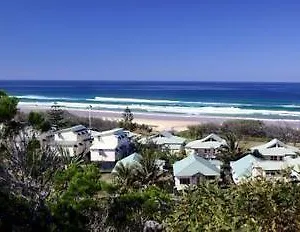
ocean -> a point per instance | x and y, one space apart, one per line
230 99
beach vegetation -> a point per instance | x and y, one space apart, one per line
8 107
258 205
39 121
127 115
199 131
128 124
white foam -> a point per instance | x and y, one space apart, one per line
206 110
37 97
140 100
290 106
131 100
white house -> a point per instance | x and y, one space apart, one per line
166 140
276 150
270 161
192 170
109 146
206 147
75 140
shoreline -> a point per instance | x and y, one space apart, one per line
162 121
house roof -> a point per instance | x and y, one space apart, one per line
129 160
164 138
168 140
74 129
242 168
115 131
276 147
131 134
193 165
210 141
134 159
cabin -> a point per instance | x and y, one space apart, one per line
109 147
207 147
270 161
166 140
276 150
192 170
74 140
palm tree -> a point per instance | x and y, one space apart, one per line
125 176
229 152
149 172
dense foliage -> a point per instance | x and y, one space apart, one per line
258 205
245 130
8 107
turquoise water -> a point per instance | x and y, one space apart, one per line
254 100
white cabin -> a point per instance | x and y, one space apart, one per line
75 140
109 146
206 147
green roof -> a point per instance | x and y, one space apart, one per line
242 168
194 164
129 160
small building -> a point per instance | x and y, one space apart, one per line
166 140
109 147
271 161
206 147
192 170
75 140
276 150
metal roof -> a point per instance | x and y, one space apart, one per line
242 168
194 164
129 160
74 129
210 141
276 147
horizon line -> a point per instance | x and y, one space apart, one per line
166 81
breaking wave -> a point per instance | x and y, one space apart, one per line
191 110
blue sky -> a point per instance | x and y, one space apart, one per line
150 40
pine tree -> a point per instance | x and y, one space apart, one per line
56 116
127 115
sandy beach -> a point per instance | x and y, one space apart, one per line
161 121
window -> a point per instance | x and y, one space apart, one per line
184 181
272 157
205 150
272 173
280 158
